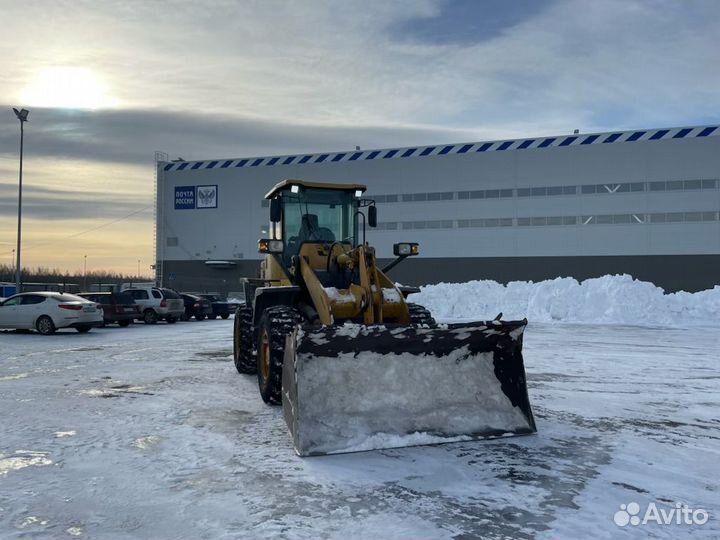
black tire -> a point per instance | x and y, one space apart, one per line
199 317
171 320
124 323
45 325
184 317
150 317
225 316
83 329
420 316
243 350
276 323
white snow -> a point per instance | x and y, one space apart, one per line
397 394
609 299
338 296
21 460
391 296
624 413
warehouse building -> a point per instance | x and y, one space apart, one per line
642 202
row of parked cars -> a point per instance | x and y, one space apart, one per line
48 311
153 304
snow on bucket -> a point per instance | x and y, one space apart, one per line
352 388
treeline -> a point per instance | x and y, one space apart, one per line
42 274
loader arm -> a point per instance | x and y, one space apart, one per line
371 298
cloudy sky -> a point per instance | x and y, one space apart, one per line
108 83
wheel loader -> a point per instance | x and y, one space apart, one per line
355 365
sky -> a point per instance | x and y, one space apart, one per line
109 83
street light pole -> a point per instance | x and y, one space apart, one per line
22 115
138 274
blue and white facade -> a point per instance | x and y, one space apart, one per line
643 202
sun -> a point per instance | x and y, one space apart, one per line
66 88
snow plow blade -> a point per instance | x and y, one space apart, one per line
353 388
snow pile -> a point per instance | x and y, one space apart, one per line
618 299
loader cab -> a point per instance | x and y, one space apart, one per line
302 212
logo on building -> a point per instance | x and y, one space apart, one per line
207 196
184 197
191 197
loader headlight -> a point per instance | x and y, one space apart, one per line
406 249
266 245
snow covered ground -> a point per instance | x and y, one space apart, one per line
148 432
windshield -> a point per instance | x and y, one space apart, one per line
319 215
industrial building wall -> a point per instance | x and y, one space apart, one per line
647 206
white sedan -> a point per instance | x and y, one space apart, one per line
49 311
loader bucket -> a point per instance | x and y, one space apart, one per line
353 388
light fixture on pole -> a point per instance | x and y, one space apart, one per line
22 115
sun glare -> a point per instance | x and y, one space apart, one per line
67 88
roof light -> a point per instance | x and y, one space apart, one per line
358 193
295 189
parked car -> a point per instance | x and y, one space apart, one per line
47 312
196 306
118 307
157 304
220 308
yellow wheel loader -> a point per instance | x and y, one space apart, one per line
354 364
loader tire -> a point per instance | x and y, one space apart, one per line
421 316
243 353
276 323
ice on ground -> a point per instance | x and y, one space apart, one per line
624 414
146 442
14 377
31 520
618 299
22 459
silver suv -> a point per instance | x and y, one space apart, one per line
157 304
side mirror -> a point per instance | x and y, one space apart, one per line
267 245
275 210
372 216
406 249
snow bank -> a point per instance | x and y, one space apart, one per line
618 299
